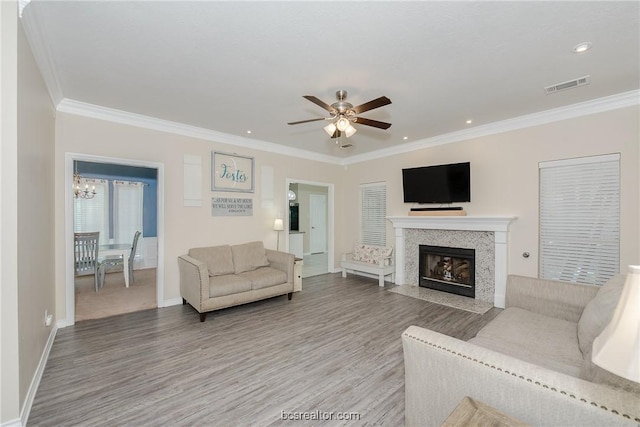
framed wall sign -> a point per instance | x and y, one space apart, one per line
230 172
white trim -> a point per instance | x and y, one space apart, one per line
607 103
330 217
41 52
37 376
470 223
13 423
498 224
580 161
118 116
68 215
170 302
599 105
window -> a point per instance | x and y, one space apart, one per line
374 213
580 219
91 215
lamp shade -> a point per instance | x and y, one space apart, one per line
350 130
617 348
278 224
342 124
330 129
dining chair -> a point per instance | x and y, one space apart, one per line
109 263
86 256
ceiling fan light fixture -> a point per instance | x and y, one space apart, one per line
343 124
350 130
330 129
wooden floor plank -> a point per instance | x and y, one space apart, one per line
334 347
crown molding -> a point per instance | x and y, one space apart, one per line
32 24
123 117
613 102
599 105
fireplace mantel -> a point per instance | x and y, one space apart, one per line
499 225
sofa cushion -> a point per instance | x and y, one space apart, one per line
218 259
265 277
542 340
598 312
248 256
229 284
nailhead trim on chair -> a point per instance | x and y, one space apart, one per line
464 356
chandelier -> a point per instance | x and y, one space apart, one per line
78 190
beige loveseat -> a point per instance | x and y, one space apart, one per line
217 277
532 362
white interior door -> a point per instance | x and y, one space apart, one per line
318 223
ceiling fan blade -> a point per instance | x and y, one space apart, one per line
336 134
374 123
375 103
305 121
320 103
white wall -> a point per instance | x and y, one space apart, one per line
504 177
9 354
185 227
26 223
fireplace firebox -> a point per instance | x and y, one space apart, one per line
447 269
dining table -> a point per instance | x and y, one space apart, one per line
118 249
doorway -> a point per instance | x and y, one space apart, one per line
313 203
152 248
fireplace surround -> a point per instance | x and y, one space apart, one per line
488 235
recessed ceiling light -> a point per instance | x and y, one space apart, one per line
469 121
248 131
582 47
405 138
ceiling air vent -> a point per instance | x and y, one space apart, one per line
582 81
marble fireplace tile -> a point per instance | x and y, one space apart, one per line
481 241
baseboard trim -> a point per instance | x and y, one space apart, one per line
12 423
37 376
170 302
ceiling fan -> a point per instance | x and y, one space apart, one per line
344 114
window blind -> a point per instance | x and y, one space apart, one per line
580 219
90 215
374 213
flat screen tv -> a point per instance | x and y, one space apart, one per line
437 184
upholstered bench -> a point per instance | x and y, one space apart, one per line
370 259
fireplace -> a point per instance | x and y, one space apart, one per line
447 269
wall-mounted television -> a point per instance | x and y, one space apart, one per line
437 184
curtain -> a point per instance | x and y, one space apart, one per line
127 210
91 215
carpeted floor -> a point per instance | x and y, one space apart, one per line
114 298
443 298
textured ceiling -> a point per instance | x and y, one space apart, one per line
237 66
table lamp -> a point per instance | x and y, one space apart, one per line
617 348
278 225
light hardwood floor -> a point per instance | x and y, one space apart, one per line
335 347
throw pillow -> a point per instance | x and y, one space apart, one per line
218 259
249 256
598 312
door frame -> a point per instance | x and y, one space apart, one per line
330 217
69 158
